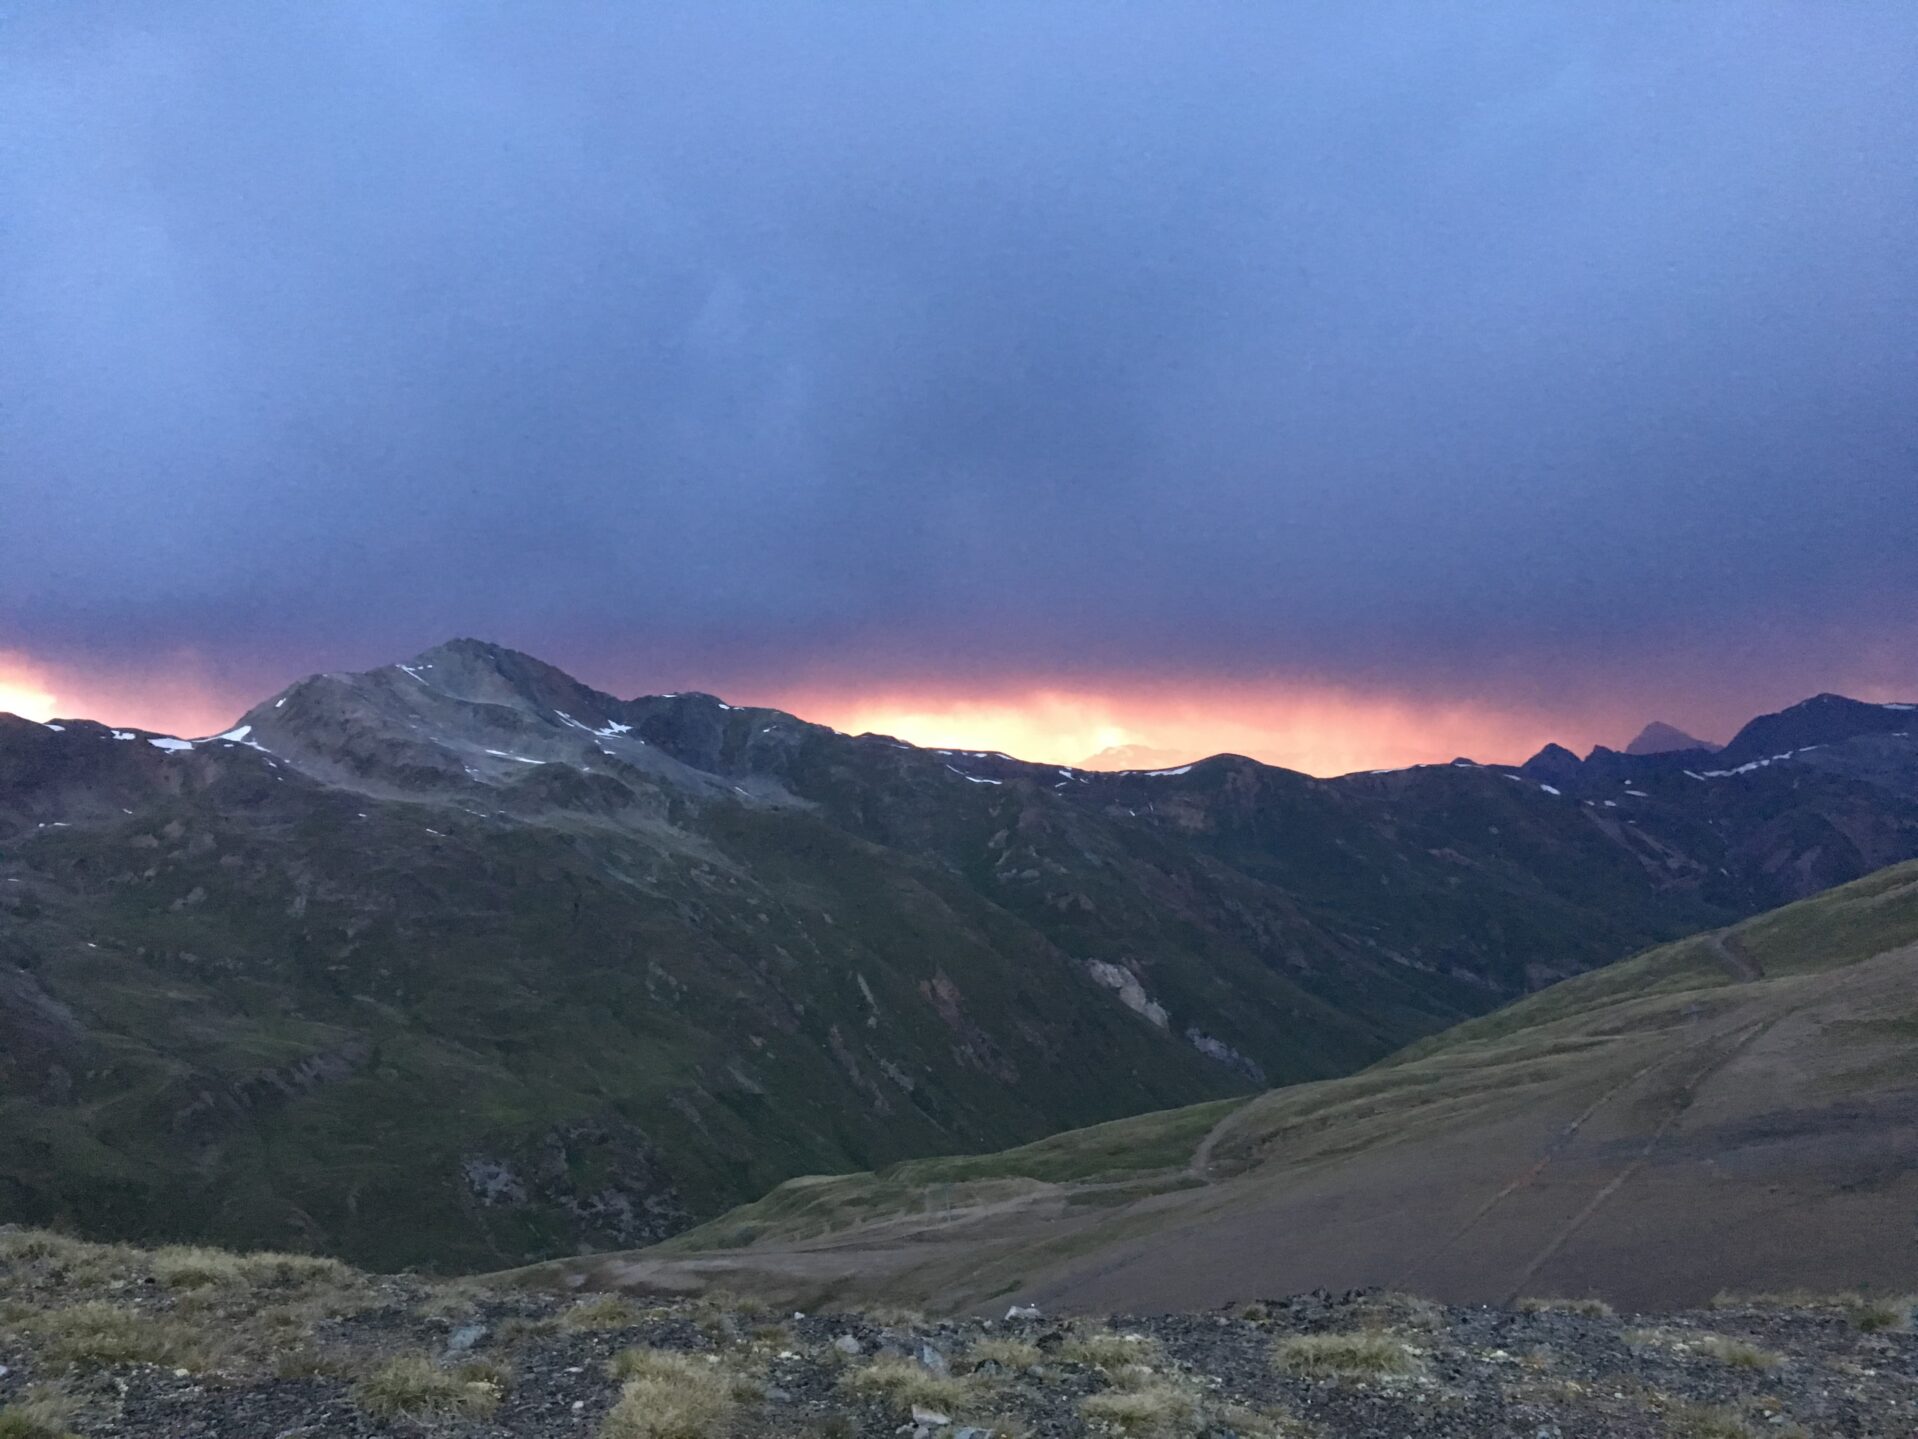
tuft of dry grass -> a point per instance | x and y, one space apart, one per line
1103 1349
677 1363
1585 1308
189 1266
1738 1353
40 1412
60 1259
1146 1411
1345 1356
1013 1354
670 1395
415 1387
97 1335
25 1245
1867 1312
75 1261
1878 1316
601 1312
1393 1311
894 1316
902 1383
296 1271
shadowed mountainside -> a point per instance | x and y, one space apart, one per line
461 962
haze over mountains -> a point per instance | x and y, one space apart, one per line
460 962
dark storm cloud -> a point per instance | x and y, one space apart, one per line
1422 346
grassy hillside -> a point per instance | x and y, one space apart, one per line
1735 1110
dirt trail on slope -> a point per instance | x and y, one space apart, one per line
1730 951
1761 1136
1559 1143
1681 1102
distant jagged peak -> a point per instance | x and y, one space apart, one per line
1661 738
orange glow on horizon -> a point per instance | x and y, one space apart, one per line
1318 729
177 699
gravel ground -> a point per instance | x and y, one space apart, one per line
107 1341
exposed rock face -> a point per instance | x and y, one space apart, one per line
605 1177
445 908
1131 993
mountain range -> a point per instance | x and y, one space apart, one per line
460 962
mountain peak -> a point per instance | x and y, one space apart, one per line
1661 738
1822 719
481 670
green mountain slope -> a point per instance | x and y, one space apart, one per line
1734 1111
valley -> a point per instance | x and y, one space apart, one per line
1737 1112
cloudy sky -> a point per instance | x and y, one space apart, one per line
1344 384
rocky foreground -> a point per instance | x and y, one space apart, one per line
107 1340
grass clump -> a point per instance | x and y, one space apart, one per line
295 1271
902 1383
1013 1354
97 1335
677 1364
1868 1313
1344 1356
1585 1308
75 1260
1145 1411
24 1245
1102 1349
603 1311
38 1413
1737 1353
188 1266
414 1387
669 1395
1393 1310
1878 1316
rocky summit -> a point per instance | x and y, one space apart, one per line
461 963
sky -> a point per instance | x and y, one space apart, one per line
1343 385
